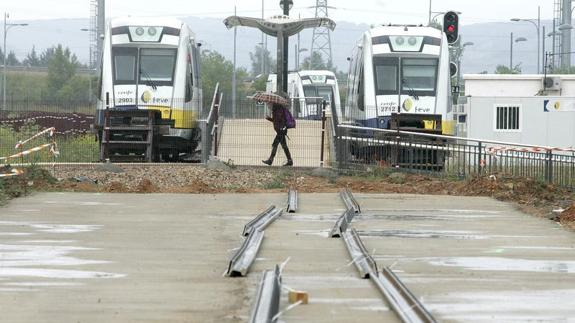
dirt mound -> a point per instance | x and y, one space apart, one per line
146 186
567 217
198 187
116 187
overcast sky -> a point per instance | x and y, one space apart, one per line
360 11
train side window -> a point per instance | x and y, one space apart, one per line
189 82
189 75
360 101
196 62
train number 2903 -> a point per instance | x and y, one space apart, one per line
125 100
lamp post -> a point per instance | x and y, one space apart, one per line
7 26
519 39
459 62
286 6
429 19
299 51
537 24
566 47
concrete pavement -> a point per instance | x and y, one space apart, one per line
160 258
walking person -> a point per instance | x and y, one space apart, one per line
281 126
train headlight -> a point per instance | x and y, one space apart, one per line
139 31
152 31
412 41
400 40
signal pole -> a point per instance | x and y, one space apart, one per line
286 4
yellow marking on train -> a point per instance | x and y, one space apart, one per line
448 127
184 118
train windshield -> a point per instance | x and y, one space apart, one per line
157 65
147 66
314 92
418 75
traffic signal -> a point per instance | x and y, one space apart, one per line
451 26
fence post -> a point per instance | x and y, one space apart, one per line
549 166
215 132
340 147
479 158
323 105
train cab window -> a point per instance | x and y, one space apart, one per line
326 93
157 66
419 75
386 75
125 65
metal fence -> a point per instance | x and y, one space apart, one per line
245 137
359 146
72 122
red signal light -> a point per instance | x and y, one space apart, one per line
451 28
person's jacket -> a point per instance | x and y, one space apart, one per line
278 118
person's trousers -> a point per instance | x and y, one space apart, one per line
280 139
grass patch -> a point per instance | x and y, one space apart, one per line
34 177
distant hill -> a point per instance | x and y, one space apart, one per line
491 41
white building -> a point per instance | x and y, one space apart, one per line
520 109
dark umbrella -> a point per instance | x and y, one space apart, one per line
270 98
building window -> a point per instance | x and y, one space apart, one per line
507 117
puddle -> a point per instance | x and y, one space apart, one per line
320 233
326 282
330 217
29 255
510 249
505 306
507 264
402 217
55 273
17 290
15 234
42 284
423 234
45 258
435 211
64 228
49 241
97 204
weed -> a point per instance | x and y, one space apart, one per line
276 183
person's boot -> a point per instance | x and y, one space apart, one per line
289 163
268 162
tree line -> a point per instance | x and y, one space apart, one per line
62 83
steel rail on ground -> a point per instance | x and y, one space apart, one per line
407 307
267 302
359 255
404 303
349 201
292 201
342 223
244 257
262 220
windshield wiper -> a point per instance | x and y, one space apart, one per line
410 90
149 80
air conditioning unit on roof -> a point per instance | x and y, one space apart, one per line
552 83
